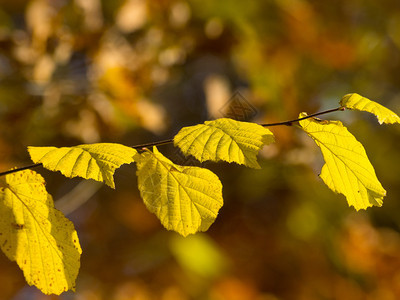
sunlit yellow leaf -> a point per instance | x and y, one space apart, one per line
37 236
224 139
95 161
347 169
185 199
357 102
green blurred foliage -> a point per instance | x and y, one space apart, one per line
136 71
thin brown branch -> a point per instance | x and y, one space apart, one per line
169 141
20 169
290 123
153 144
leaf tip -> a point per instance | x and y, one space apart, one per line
255 165
111 184
268 138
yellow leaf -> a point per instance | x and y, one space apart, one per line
37 236
357 102
185 199
95 161
347 169
224 139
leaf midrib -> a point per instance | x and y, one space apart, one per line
184 188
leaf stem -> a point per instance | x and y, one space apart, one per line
169 141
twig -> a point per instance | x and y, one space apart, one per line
153 144
169 141
20 169
290 123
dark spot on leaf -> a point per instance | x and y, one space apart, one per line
18 226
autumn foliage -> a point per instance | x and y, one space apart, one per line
214 82
186 199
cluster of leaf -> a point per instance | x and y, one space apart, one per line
186 199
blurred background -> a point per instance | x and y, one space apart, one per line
136 71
